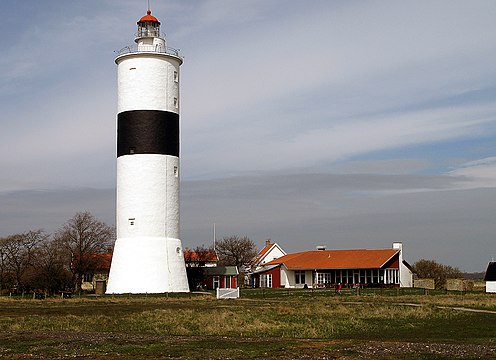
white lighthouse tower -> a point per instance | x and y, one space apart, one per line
148 256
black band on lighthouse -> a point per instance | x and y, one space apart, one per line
148 132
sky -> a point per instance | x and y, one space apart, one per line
348 124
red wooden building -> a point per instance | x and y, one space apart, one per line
220 277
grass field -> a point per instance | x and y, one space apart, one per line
276 324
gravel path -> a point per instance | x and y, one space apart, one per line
390 350
305 349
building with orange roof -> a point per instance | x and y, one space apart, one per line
269 252
200 258
96 277
328 268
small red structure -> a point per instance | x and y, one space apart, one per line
221 277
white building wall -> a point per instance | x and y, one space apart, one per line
491 286
275 252
406 276
284 277
290 279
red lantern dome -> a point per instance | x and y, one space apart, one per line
148 18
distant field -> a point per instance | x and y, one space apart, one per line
276 324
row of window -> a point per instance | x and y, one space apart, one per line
361 276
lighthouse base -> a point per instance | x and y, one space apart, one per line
147 265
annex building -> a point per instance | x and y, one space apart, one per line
328 268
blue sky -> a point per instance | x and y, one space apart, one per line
350 124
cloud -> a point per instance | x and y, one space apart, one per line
274 96
250 147
429 214
478 174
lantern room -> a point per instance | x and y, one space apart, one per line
148 26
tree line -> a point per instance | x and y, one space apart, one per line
34 261
37 261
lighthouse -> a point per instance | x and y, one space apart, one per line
148 255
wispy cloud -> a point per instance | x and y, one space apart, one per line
477 174
275 96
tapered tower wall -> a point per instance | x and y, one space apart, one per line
148 256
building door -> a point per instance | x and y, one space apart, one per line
356 277
216 282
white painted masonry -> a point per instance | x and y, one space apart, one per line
491 286
406 278
147 71
151 200
148 255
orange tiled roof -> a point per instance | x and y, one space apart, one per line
209 256
99 262
336 259
262 252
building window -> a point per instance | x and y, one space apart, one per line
176 103
176 171
299 277
176 76
131 222
216 282
132 150
266 280
88 278
324 278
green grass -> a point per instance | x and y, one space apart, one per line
275 322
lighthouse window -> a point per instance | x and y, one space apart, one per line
176 171
132 150
131 222
175 102
176 76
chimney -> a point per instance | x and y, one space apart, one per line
267 242
321 247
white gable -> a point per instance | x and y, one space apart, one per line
273 253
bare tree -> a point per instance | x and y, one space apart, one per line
19 255
236 250
84 236
51 271
4 273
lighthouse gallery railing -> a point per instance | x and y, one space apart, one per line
148 48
